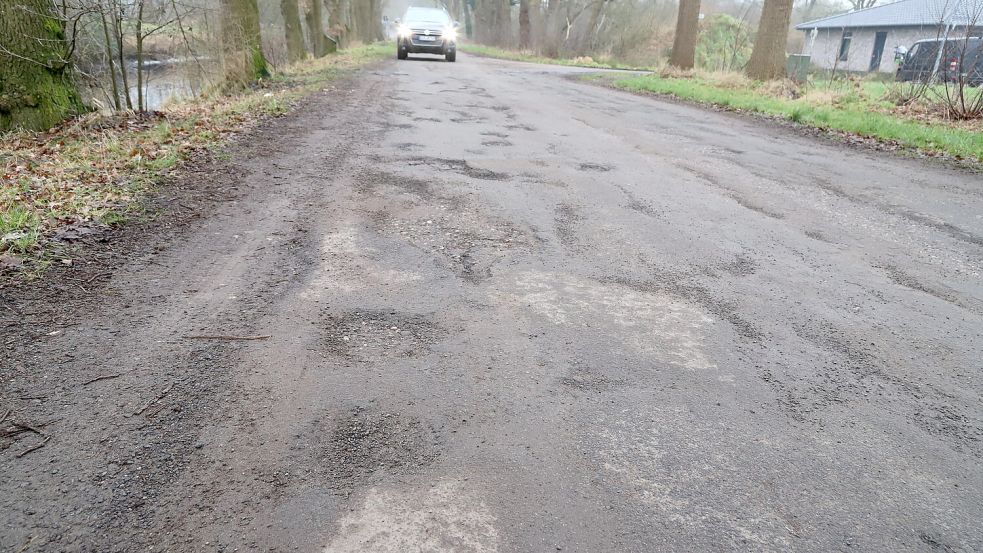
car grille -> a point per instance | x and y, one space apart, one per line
418 32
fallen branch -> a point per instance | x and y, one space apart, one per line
98 275
35 448
5 415
206 337
26 428
98 378
155 400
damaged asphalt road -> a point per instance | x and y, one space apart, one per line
513 312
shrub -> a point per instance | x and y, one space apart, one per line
724 45
782 88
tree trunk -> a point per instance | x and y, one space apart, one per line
141 101
315 28
337 26
367 25
687 29
376 23
525 34
242 42
551 38
768 56
109 58
492 22
118 25
292 31
468 24
36 86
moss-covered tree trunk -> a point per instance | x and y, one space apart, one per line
242 42
292 31
687 29
768 56
36 86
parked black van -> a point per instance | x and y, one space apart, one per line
962 58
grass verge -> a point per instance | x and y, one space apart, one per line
92 173
858 114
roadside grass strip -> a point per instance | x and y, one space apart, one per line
863 120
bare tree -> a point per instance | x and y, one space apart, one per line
593 23
768 56
687 29
862 4
960 92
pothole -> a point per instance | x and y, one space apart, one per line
465 239
595 167
380 333
590 382
568 218
363 443
459 166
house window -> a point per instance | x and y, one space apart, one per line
845 45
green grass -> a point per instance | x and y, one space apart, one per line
19 230
492 52
854 116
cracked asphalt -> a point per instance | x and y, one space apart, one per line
513 311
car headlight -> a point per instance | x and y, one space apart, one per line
450 33
404 32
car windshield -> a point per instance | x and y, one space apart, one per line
426 15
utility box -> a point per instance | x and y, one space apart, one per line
797 67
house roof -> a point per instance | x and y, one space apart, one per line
905 13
